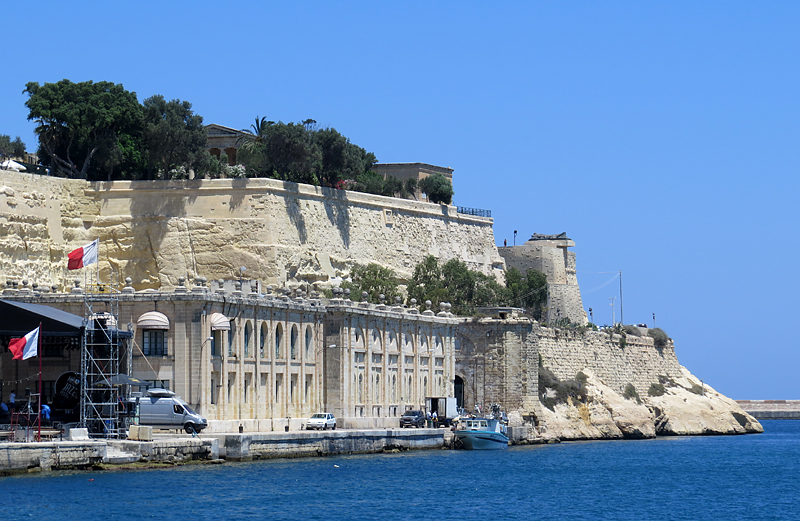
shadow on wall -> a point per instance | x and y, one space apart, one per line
337 208
238 194
151 215
295 213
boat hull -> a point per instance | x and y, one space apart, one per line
482 440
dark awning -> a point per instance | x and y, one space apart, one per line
19 318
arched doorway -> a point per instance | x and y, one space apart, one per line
458 386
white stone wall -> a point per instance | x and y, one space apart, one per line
283 233
639 363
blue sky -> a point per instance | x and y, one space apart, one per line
662 137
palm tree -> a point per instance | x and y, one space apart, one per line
255 134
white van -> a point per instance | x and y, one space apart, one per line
162 409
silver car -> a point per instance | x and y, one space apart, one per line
321 420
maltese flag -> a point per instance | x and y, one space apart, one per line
83 256
25 347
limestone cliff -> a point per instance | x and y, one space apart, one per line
283 233
679 411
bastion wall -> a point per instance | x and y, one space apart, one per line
565 352
283 233
498 361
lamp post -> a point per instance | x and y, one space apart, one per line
515 237
204 359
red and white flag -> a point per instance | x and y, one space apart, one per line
25 347
83 256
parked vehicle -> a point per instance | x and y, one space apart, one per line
445 408
412 419
161 408
321 420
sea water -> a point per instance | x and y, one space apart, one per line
674 478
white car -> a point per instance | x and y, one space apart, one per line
321 420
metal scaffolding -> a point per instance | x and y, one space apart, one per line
100 360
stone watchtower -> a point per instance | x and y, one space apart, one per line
550 255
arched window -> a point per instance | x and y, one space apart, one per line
219 323
231 335
394 388
293 343
278 340
377 388
360 388
248 334
408 344
410 390
375 341
262 341
155 332
309 339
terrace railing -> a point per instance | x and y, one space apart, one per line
474 211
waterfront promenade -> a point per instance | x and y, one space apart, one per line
771 409
166 447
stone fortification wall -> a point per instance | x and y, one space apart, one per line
40 217
639 363
283 233
552 258
497 362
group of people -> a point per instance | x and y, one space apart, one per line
12 406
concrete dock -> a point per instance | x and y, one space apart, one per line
771 409
167 447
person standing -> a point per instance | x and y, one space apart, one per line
12 399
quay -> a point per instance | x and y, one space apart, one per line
771 409
83 452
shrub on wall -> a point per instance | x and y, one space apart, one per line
696 389
656 390
563 390
660 338
632 330
630 393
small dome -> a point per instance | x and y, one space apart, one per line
153 320
219 322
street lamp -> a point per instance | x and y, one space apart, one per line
515 237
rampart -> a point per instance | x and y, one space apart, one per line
498 361
565 352
283 233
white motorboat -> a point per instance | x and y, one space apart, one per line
482 434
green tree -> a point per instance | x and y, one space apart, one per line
426 283
76 122
529 291
9 148
370 182
455 283
341 159
174 136
409 188
438 188
392 186
374 279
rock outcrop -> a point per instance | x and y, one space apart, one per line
686 407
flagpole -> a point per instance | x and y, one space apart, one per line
39 352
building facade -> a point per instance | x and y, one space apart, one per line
261 360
